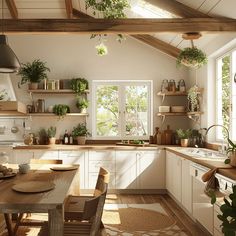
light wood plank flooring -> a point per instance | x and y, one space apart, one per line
183 221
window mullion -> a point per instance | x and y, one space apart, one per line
122 110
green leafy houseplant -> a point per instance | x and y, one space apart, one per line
102 49
192 57
231 151
51 132
80 132
79 85
61 110
184 135
193 99
82 105
33 72
228 214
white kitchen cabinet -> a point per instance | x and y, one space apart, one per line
151 169
173 175
40 154
75 157
186 196
23 156
97 159
126 169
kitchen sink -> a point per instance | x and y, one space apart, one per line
203 153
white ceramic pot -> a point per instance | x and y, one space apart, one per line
52 141
81 140
184 142
33 86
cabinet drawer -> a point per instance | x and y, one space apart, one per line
94 166
93 180
101 155
65 154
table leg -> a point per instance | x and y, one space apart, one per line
56 221
9 224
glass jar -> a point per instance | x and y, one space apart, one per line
164 85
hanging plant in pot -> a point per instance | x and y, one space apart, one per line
184 136
193 100
80 132
33 73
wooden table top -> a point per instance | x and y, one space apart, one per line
36 202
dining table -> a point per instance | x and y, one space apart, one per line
51 201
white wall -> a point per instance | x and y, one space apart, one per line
72 55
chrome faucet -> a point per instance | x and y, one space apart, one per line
222 147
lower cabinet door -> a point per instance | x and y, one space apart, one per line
126 170
22 156
51 155
75 157
92 180
151 169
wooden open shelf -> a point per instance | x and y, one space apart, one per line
177 93
59 91
52 114
179 113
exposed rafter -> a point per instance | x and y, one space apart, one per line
12 8
158 44
69 8
124 26
177 8
147 39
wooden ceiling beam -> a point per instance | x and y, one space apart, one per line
122 26
177 8
80 14
69 8
158 44
12 8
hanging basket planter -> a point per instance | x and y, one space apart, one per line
192 57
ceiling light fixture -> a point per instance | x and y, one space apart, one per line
9 62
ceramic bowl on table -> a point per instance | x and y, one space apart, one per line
24 168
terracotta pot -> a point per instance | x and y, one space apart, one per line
52 141
184 142
33 86
81 140
232 158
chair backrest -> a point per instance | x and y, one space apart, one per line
45 161
102 180
93 208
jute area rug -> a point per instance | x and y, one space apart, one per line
139 219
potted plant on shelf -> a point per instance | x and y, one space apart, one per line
191 57
231 151
184 135
82 105
80 132
33 73
51 132
61 110
79 85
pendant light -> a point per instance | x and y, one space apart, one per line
9 62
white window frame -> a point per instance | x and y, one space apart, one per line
230 53
121 83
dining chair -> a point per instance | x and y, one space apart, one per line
74 206
21 221
89 223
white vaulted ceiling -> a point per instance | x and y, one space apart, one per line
139 8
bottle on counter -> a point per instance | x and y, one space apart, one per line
66 137
70 139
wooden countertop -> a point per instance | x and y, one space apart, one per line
62 147
223 169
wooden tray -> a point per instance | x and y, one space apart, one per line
64 168
33 187
8 176
133 144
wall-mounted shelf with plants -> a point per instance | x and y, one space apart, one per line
52 114
58 91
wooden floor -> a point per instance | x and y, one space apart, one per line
182 219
